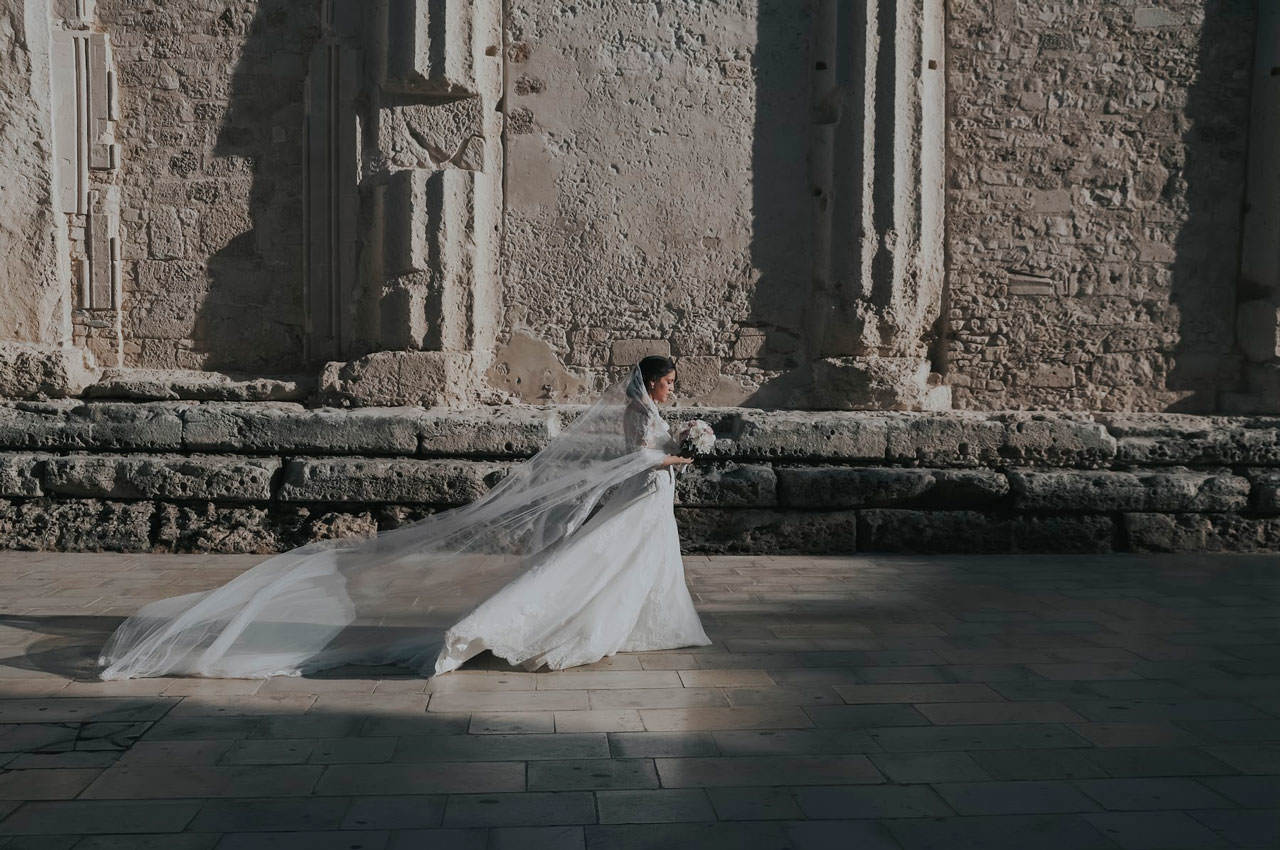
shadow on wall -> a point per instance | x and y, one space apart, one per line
252 317
1209 170
781 219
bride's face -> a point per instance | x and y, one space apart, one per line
660 390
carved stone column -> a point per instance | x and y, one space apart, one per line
408 310
1258 310
86 162
876 165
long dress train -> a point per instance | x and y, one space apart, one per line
572 556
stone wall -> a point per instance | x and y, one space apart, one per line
260 477
485 201
656 185
33 302
212 143
1095 179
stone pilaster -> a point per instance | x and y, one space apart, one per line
1258 307
421 161
87 161
876 161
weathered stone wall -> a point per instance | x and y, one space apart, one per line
33 299
1095 179
656 196
259 477
212 103
659 192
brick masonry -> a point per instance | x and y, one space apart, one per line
241 477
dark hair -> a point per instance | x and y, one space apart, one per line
651 368
655 366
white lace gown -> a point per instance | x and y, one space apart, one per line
615 585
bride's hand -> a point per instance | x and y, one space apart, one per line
675 460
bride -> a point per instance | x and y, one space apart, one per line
572 557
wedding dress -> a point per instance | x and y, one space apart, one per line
615 585
573 556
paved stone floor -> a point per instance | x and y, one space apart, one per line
867 702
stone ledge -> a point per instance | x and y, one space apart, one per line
957 439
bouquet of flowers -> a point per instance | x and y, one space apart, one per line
694 439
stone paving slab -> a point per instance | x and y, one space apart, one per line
870 702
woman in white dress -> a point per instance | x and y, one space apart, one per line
615 585
572 557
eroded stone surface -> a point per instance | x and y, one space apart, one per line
173 384
441 482
1103 491
289 427
826 488
177 477
727 485
895 530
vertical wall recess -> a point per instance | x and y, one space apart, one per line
876 158
87 163
332 201
1258 308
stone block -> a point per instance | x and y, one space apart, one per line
697 376
438 482
870 383
164 234
206 527
727 486
1056 441
70 425
1194 532
1100 491
394 378
433 135
629 352
1184 440
429 46
28 370
280 427
895 530
1264 489
950 439
20 474
763 435
174 384
80 525
831 487
715 530
506 431
229 479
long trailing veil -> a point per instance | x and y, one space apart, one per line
388 599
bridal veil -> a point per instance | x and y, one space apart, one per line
388 599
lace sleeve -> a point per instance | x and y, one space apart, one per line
636 425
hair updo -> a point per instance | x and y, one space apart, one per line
652 368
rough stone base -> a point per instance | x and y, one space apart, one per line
263 477
421 378
43 371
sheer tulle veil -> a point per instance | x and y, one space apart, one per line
389 598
